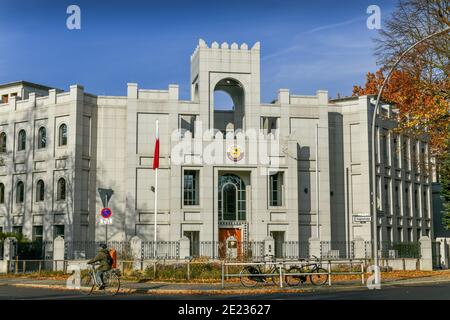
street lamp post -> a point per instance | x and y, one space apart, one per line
374 180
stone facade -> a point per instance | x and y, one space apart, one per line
110 141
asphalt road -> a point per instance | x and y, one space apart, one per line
412 292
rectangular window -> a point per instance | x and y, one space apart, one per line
187 124
58 231
389 234
384 147
276 189
5 98
416 200
407 199
425 201
397 198
400 235
396 151
387 196
269 124
38 233
405 151
191 187
17 229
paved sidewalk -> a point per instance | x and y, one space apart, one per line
165 288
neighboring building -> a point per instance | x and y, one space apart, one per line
61 147
438 228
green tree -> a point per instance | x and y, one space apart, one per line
445 189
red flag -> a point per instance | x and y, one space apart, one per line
156 154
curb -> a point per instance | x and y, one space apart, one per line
219 292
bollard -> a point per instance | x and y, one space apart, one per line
40 267
17 265
154 270
281 276
223 275
362 272
24 266
189 270
329 272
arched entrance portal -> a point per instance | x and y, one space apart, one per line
232 201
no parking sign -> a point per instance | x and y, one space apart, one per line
106 213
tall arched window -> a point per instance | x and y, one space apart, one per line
2 142
2 193
63 135
42 138
40 191
20 192
22 140
232 198
61 189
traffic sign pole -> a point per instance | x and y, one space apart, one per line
106 224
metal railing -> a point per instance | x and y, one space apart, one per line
89 249
218 250
283 270
164 250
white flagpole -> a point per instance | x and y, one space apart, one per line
156 199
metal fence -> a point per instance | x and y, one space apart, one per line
293 250
164 250
436 254
35 250
219 250
394 250
89 249
337 250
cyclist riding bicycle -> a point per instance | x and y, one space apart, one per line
103 258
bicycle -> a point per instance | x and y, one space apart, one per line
318 276
111 282
249 275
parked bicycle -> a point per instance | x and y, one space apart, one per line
317 275
268 272
111 281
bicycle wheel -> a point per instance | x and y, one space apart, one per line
246 280
87 284
319 279
112 283
295 280
276 277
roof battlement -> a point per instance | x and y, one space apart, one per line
225 46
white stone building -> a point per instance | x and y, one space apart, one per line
57 148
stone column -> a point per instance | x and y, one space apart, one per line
314 248
359 248
269 247
444 252
136 252
185 251
426 254
9 253
58 254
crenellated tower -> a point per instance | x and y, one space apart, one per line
231 68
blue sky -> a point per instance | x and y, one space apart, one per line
305 45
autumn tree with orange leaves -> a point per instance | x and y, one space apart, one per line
423 106
420 87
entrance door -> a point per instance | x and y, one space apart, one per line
194 242
278 237
224 234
